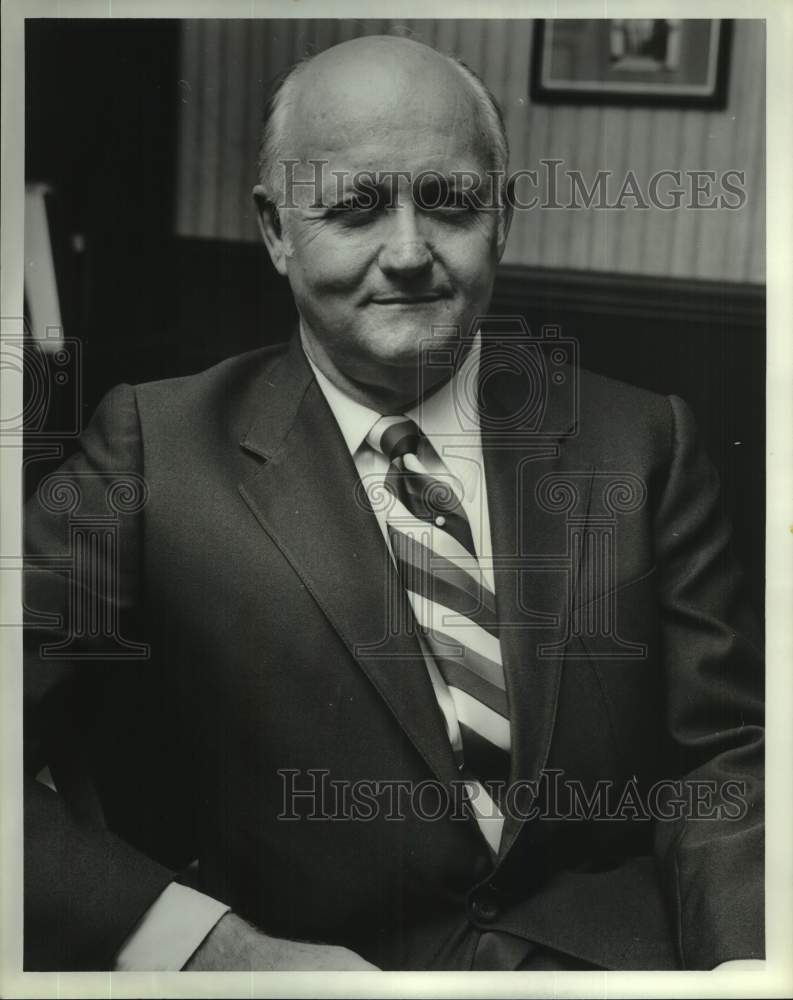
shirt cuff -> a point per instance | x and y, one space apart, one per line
170 931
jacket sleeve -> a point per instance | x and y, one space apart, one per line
85 888
711 861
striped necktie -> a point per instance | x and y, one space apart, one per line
455 609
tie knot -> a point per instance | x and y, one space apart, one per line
395 436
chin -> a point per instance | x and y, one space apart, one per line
395 361
403 342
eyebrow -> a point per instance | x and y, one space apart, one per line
372 183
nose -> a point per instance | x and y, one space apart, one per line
405 253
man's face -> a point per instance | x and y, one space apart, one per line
378 265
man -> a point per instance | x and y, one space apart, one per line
391 555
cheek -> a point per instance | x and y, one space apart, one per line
328 262
469 257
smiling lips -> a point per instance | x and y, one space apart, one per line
407 300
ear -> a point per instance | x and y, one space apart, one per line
270 228
504 221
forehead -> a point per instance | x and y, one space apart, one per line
384 112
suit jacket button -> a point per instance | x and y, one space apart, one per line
484 906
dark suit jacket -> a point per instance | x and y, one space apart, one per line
262 588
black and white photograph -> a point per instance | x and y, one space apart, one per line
395 512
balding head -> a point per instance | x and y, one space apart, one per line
374 83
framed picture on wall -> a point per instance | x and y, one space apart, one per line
663 62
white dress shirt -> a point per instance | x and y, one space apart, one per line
180 919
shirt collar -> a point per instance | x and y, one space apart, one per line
446 413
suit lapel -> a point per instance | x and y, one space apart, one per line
532 602
306 498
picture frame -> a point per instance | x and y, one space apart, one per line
659 62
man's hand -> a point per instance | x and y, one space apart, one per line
236 946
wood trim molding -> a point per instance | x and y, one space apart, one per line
597 292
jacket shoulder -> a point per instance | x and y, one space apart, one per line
618 422
608 401
235 371
225 395
597 391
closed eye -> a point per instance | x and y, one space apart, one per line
358 208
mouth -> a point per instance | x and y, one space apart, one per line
407 300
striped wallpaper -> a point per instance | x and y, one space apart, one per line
225 66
